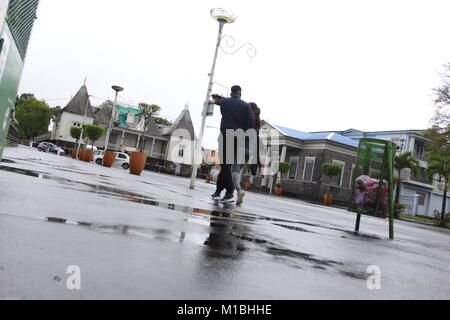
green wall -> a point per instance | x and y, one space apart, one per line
11 66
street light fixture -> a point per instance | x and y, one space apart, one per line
223 17
117 89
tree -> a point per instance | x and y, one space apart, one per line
93 132
33 117
75 133
441 116
55 112
439 140
148 111
403 161
162 121
438 155
283 167
23 98
330 170
438 164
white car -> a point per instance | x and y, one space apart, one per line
50 147
122 159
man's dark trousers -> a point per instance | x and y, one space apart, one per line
224 180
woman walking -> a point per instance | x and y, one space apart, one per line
238 168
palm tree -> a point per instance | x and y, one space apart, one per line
403 161
438 164
148 112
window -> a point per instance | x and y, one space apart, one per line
293 169
181 151
181 147
121 156
419 149
213 153
421 198
351 176
308 169
130 118
337 180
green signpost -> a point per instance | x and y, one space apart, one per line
373 181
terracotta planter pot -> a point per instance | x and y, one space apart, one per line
137 162
108 158
327 199
248 185
82 154
73 153
278 191
88 155
208 178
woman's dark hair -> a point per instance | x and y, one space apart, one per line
256 112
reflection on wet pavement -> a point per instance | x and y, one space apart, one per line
230 231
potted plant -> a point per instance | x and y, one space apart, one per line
139 158
248 185
283 167
330 170
93 133
108 158
75 133
82 153
209 166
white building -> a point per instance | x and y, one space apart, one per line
163 144
73 115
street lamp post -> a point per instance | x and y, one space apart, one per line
117 89
222 16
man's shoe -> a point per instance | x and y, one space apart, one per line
228 198
241 195
215 196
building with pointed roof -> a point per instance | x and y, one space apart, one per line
165 145
77 112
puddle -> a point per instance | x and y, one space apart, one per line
7 161
300 255
21 171
126 195
362 235
224 210
122 229
354 275
292 228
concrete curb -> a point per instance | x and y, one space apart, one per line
423 223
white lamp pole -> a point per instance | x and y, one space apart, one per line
117 89
222 16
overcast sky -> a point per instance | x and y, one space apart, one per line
320 65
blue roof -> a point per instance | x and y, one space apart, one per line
332 136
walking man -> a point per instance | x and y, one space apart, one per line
236 114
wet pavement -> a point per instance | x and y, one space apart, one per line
151 237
